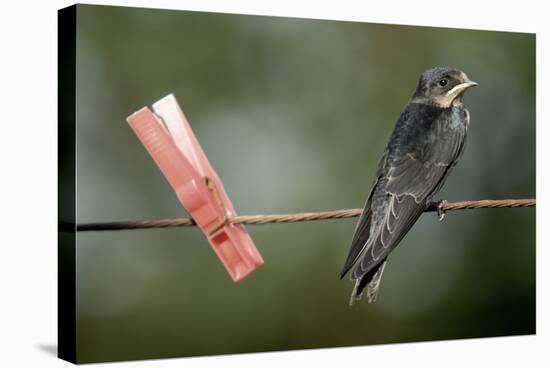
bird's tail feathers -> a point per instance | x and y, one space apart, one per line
370 281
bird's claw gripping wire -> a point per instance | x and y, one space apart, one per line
441 209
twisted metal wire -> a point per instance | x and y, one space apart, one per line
296 217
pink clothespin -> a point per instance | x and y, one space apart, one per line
168 138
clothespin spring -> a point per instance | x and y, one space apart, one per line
212 187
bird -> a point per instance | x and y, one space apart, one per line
426 143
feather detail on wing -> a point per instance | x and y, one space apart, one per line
391 221
360 237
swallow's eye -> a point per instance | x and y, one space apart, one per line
443 82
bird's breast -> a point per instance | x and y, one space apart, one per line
458 117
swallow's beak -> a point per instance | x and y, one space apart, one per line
459 88
469 84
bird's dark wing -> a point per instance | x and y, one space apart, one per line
392 218
360 237
362 229
415 168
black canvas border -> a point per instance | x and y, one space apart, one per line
66 159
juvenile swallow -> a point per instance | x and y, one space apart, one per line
426 143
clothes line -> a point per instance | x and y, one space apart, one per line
297 217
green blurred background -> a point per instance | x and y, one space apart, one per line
294 115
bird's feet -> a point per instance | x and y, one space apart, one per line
441 209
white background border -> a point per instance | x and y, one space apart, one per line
28 182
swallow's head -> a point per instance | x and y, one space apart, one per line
442 87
